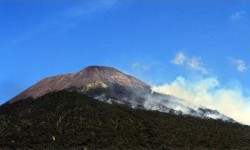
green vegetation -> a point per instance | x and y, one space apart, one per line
63 120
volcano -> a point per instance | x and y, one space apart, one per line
102 108
112 86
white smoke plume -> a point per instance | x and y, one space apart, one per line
209 93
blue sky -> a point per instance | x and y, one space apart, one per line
158 42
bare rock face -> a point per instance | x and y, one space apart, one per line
90 78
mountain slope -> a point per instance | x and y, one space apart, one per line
112 86
89 78
63 120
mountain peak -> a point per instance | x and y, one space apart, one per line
92 69
99 67
97 72
90 77
112 86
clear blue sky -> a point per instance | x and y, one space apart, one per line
154 41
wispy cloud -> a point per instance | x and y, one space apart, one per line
66 18
209 93
193 62
238 15
144 67
91 7
179 59
240 64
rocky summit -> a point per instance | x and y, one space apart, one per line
90 78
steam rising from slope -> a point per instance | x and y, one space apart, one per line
208 92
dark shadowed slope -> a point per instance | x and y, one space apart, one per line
70 120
